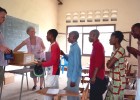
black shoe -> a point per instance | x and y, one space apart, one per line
34 87
40 88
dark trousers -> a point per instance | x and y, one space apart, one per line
97 89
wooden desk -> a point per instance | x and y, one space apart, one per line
57 96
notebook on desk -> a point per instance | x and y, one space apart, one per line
52 91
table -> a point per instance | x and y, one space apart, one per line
57 96
21 71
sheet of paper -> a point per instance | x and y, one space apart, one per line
52 91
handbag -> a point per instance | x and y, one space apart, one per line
38 70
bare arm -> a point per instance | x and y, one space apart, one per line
111 62
4 49
133 51
19 46
92 81
43 46
95 72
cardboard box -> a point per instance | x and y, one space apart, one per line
9 78
22 58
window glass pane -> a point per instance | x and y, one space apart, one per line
80 42
104 39
87 29
105 28
87 46
79 29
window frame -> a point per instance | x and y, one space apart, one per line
85 33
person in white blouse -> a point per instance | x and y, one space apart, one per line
36 46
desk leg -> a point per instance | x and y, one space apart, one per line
27 79
21 86
2 82
1 90
27 82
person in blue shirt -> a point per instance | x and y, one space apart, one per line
74 65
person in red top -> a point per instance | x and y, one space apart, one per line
55 52
97 67
52 64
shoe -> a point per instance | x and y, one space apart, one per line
40 88
34 87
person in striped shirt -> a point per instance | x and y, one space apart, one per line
117 68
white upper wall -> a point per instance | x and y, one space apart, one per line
128 11
42 12
128 14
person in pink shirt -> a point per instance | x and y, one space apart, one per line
36 46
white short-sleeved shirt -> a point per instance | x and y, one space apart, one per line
35 48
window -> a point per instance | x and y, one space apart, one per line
83 41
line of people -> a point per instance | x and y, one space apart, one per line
98 81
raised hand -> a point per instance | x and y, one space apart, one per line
62 53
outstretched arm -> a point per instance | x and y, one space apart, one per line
133 51
19 46
65 56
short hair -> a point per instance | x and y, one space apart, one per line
119 35
76 34
96 32
3 10
28 29
136 25
53 32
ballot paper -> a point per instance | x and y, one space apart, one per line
52 91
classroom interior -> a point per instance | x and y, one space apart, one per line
64 14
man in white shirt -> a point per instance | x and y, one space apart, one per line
3 48
135 32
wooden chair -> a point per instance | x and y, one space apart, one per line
83 95
85 92
85 75
129 94
130 77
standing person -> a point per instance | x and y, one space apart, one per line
74 65
97 67
117 68
3 47
53 63
36 46
135 32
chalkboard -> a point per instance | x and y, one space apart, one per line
14 30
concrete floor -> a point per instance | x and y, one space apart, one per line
11 91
